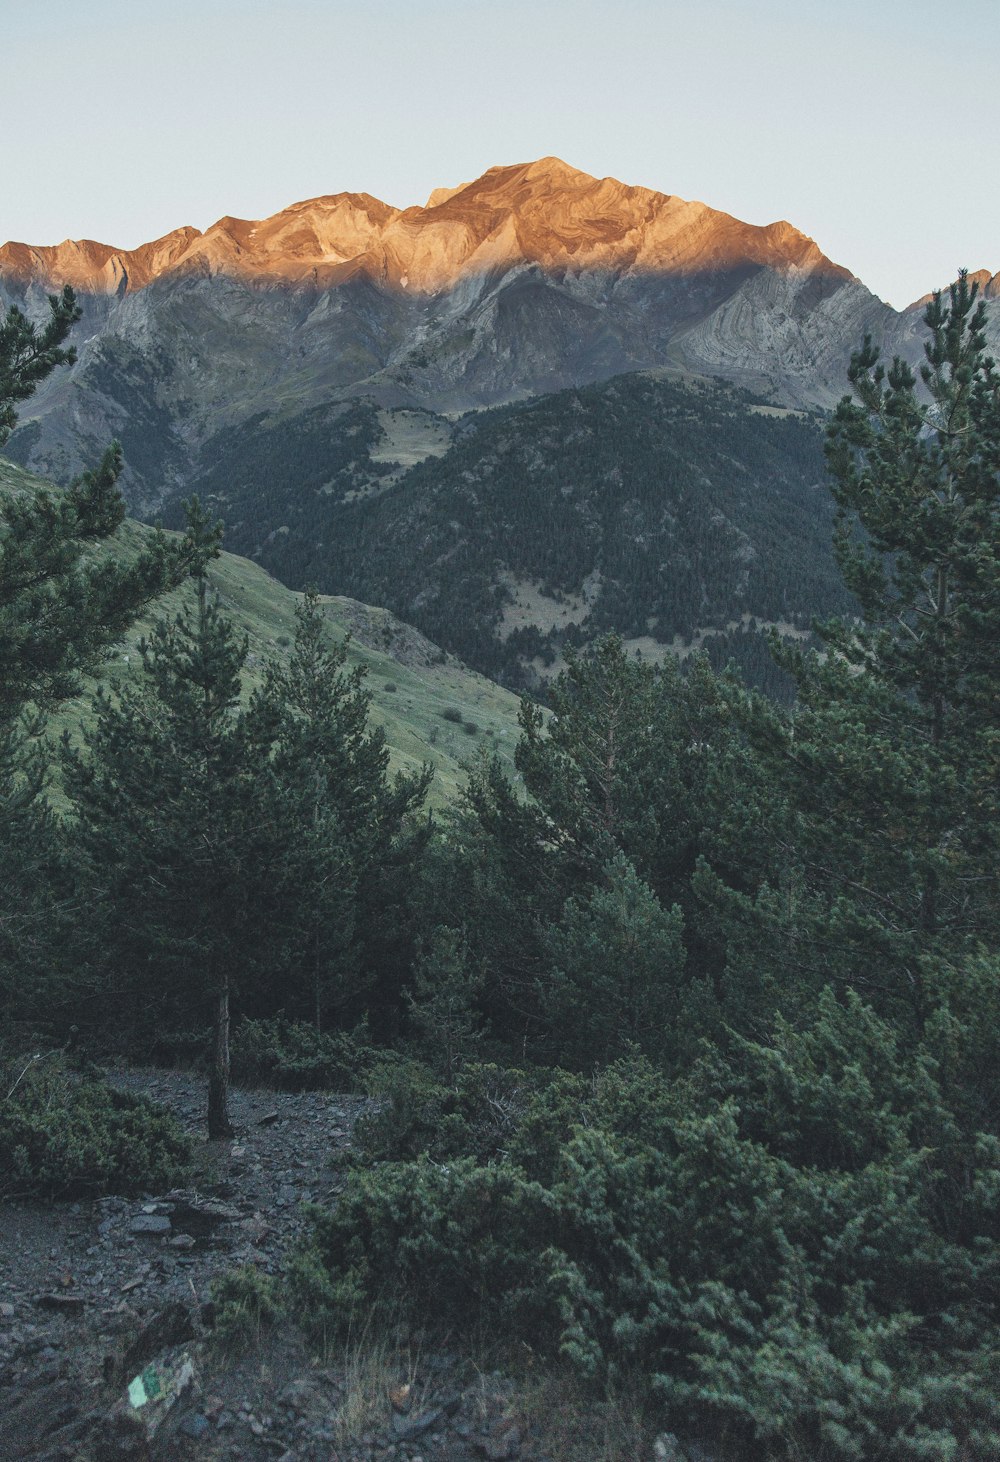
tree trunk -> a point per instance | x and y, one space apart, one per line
218 1081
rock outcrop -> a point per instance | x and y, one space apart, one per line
542 214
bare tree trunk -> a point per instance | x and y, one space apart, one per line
218 1080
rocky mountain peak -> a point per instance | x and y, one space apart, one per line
989 289
544 213
532 277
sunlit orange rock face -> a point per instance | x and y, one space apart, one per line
532 278
543 213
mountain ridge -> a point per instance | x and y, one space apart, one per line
593 221
534 277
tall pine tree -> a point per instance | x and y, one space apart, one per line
68 590
360 836
891 761
182 825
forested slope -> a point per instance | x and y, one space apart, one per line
642 506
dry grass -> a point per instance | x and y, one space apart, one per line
574 1424
371 1362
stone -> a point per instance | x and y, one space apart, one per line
406 1428
256 1228
298 1395
150 1223
401 1398
195 1425
173 1325
157 1389
200 1217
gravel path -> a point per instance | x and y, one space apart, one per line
79 1280
91 1292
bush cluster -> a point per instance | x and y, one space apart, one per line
62 1135
295 1056
246 1303
793 1245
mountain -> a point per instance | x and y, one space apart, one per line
542 214
671 512
540 406
532 278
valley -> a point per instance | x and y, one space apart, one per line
660 509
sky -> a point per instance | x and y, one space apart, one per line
871 125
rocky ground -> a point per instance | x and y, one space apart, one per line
100 1294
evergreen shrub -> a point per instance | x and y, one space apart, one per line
414 1112
246 1303
62 1135
794 1246
294 1056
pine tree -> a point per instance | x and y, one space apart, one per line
61 605
68 590
891 762
615 975
28 355
638 767
919 476
182 824
918 473
360 840
442 1003
643 760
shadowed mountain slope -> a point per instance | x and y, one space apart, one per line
530 279
646 505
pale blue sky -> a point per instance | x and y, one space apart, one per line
874 127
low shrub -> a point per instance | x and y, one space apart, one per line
452 713
415 1113
793 1248
295 1056
246 1303
62 1135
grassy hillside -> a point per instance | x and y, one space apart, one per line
413 683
